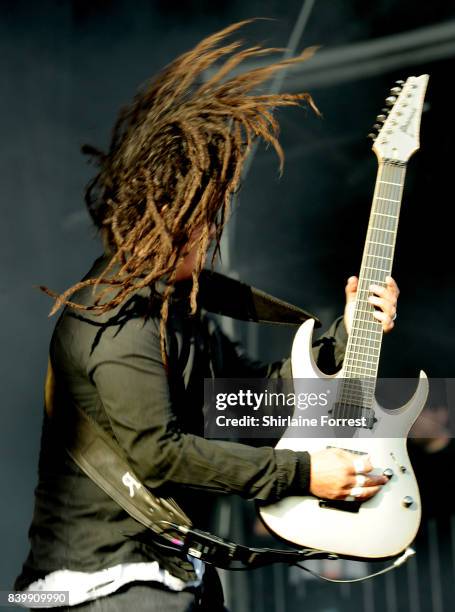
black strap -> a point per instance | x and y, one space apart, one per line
232 298
102 459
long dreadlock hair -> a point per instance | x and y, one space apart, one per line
174 162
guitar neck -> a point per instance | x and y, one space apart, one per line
364 343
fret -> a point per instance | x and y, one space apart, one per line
382 222
360 370
357 372
387 199
348 408
365 351
386 207
360 345
356 399
372 357
363 341
363 338
367 370
355 334
378 269
365 334
384 215
370 310
353 395
389 246
354 392
364 307
380 229
365 367
389 183
349 382
379 256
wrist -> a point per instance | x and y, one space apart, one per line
301 483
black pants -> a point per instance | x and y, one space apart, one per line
153 597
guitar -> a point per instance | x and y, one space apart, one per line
384 525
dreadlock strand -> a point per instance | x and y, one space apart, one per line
235 61
200 258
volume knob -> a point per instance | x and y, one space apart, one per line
388 473
407 501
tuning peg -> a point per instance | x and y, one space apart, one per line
400 82
395 91
381 118
377 126
390 101
386 111
372 136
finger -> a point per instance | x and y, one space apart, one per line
387 306
359 495
361 481
385 319
392 285
390 292
368 492
385 292
351 287
361 465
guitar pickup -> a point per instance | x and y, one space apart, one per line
349 450
340 504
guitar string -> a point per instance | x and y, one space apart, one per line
386 194
365 316
348 395
379 247
365 326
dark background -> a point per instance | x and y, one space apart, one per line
67 67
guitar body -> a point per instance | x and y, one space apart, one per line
382 526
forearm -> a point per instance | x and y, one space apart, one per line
220 466
141 417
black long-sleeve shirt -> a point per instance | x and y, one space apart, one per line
111 366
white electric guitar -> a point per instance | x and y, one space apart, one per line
386 524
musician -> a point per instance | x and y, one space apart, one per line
133 345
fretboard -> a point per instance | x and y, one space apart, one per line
364 344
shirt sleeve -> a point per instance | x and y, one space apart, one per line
127 370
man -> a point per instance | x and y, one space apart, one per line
133 345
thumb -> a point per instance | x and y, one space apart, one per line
351 288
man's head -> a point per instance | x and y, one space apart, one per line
175 160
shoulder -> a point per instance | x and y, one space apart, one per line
82 335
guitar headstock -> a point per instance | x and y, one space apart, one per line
398 124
